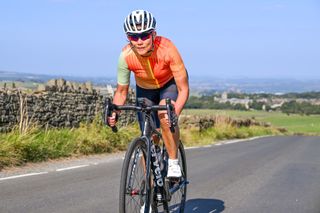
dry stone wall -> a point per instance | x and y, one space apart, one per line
59 103
9 107
202 123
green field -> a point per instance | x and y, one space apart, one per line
293 123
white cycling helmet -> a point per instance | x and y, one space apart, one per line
141 18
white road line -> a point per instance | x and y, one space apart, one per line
24 175
72 167
226 142
235 141
240 140
192 147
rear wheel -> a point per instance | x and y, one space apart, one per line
134 183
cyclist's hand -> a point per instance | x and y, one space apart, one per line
112 121
174 118
177 109
166 119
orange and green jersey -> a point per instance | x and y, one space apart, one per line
154 71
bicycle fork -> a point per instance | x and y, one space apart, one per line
157 173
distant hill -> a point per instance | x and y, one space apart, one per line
42 78
14 76
247 85
199 85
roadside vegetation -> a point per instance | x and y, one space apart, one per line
220 132
36 144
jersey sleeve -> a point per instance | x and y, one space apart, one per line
123 75
176 62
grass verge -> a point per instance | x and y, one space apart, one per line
223 132
38 144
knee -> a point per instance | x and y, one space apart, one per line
163 117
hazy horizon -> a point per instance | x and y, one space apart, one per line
194 77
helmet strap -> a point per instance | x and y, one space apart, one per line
152 48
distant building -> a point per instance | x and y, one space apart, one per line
224 96
106 90
110 90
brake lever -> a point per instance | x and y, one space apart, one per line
170 109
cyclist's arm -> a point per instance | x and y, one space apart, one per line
181 78
120 95
123 77
183 93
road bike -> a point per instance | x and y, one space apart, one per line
143 181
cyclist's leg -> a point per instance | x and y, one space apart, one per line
171 139
152 97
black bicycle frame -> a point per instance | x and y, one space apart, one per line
152 159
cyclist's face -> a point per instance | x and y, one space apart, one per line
142 43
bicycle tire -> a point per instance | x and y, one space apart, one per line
176 204
133 195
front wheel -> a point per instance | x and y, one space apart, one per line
134 184
176 200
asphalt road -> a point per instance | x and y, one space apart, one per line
272 174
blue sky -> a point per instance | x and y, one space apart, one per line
225 39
